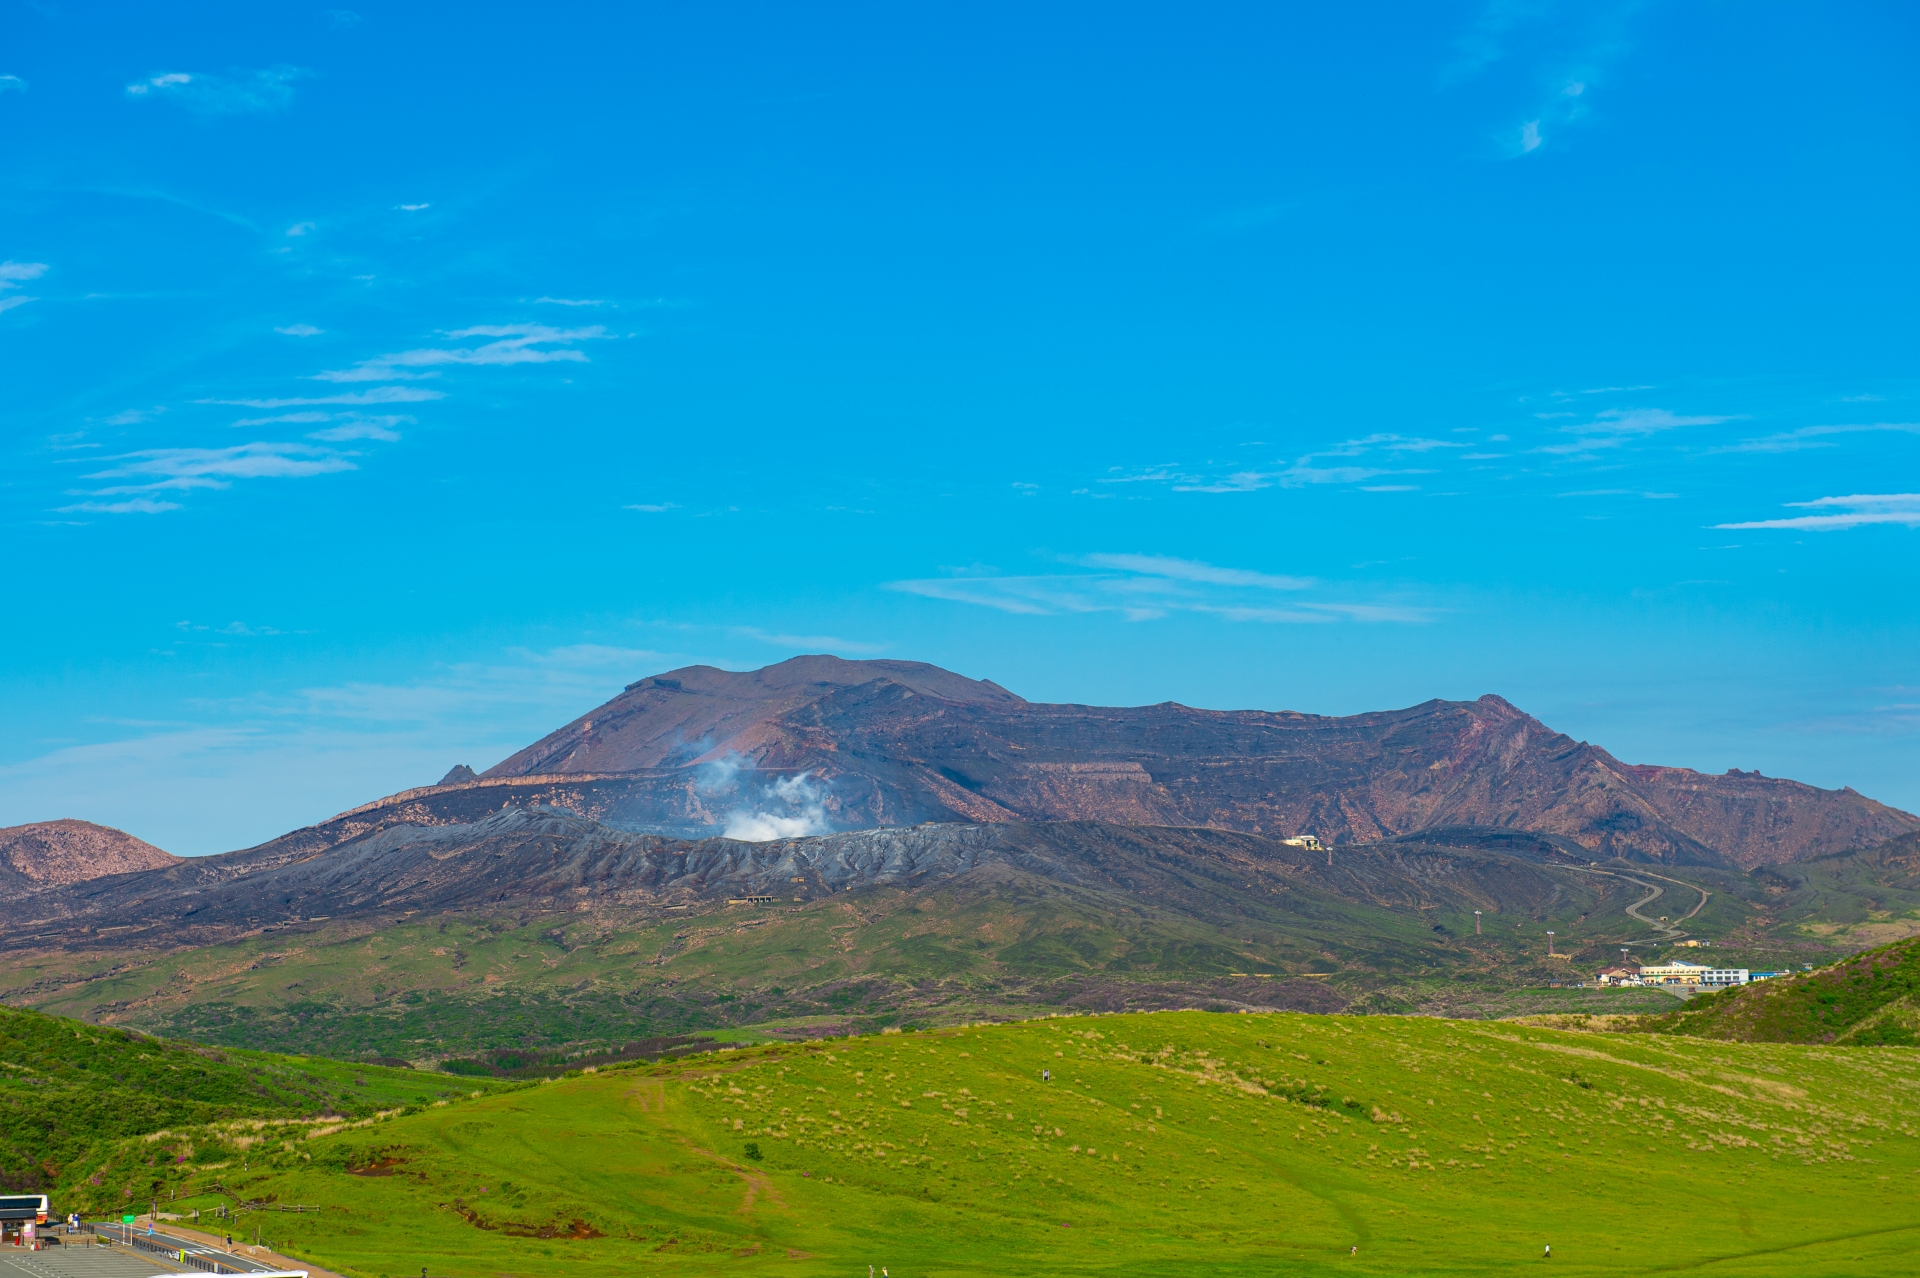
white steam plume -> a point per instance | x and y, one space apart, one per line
800 811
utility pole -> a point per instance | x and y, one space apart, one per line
1476 922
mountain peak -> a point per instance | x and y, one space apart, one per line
884 743
56 853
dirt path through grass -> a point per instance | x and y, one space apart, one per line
650 1098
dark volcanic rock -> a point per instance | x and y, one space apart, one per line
547 860
459 774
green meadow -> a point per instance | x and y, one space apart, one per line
1168 1143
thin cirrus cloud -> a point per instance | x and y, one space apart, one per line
12 84
240 93
512 344
809 643
1194 570
1299 472
346 426
12 276
180 469
1793 441
1559 52
1855 511
378 395
1618 427
337 418
1149 587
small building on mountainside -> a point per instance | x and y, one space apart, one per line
1307 841
1721 977
1678 972
1695 944
1618 976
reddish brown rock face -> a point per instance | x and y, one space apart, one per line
901 742
56 853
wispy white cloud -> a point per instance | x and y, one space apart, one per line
512 344
1851 512
1794 441
300 228
241 93
354 426
12 84
412 208
300 330
808 643
659 508
1558 52
571 301
379 395
181 469
1299 472
1148 587
1616 427
12 276
133 506
1195 570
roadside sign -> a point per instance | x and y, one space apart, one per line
126 1220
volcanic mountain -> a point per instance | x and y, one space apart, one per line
819 743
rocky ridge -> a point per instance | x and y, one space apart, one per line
899 743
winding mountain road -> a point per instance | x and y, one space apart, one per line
1654 892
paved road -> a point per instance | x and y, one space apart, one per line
80 1262
1654 893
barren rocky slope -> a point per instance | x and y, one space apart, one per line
55 853
552 861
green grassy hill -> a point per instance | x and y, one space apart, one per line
1168 1143
1871 999
69 1092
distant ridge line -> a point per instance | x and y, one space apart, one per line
483 783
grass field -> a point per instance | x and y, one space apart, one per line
69 1091
1168 1143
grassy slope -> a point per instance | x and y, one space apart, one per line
1166 1144
863 961
69 1090
1871 999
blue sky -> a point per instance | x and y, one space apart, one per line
386 386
